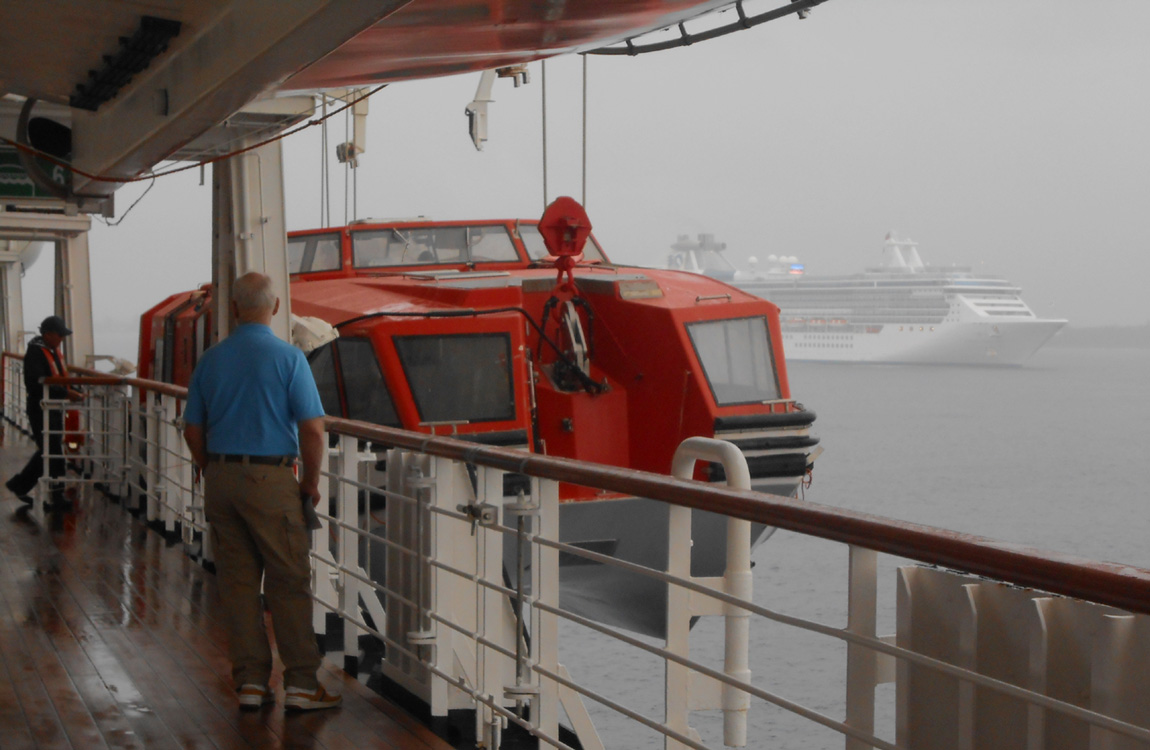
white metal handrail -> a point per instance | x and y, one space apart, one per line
422 624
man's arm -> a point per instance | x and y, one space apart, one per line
196 439
312 447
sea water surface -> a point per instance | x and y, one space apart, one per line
1053 454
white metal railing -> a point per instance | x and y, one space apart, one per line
15 413
418 538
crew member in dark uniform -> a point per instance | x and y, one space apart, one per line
40 361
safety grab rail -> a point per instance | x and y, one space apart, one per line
1122 586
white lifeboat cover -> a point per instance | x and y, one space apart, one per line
311 333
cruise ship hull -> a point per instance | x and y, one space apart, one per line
902 312
998 343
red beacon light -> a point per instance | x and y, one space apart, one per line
565 229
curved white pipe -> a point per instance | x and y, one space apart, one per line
736 578
709 449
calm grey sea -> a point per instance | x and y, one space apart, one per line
1052 455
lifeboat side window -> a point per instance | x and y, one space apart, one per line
322 363
459 378
368 399
537 250
313 252
736 357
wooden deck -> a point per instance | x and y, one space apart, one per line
109 639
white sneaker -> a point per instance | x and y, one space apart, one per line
301 699
252 696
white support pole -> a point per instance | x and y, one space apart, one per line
185 491
347 503
152 470
737 627
677 676
322 561
12 310
96 444
126 443
40 496
171 505
249 232
861 620
497 623
545 626
446 594
74 296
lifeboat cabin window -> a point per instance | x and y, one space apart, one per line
353 360
376 248
460 377
322 362
537 250
736 357
367 397
313 252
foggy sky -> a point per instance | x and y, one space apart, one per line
1010 135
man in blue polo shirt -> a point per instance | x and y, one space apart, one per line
249 396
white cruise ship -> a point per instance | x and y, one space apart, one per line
903 311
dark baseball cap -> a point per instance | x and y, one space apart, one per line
55 324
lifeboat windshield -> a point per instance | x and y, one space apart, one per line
437 245
459 378
351 362
736 358
537 250
313 252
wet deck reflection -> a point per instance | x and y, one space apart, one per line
108 639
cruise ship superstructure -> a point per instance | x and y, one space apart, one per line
902 311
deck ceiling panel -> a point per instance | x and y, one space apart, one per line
47 47
229 53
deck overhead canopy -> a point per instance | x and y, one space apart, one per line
142 85
146 82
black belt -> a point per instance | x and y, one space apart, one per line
232 458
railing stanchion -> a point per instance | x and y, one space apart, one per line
545 625
736 647
42 496
167 496
678 676
861 620
348 557
96 446
323 566
412 525
124 486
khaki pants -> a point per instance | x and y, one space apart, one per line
258 532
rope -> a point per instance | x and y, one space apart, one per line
346 168
123 180
584 131
544 97
324 177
